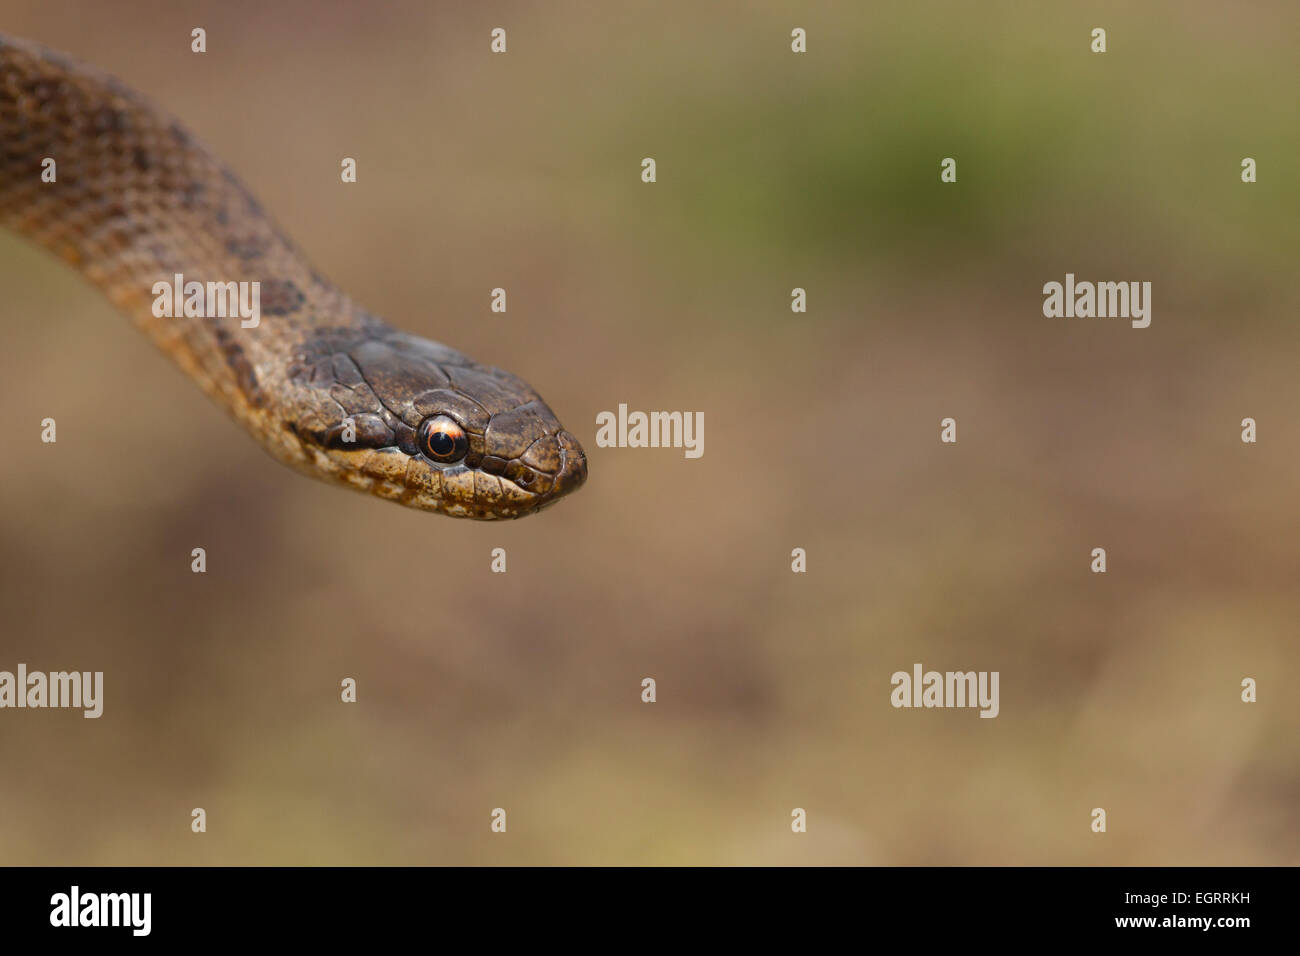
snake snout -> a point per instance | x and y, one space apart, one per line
531 451
573 465
560 460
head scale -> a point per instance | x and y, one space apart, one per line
419 423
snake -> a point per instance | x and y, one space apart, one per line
121 191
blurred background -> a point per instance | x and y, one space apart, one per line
775 170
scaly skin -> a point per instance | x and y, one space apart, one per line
137 200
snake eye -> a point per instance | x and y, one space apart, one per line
442 439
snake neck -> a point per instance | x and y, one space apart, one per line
123 193
118 189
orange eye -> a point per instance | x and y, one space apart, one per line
443 440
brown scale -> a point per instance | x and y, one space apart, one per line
137 200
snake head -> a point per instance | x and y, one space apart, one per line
419 423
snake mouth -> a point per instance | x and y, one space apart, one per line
552 467
481 487
570 473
